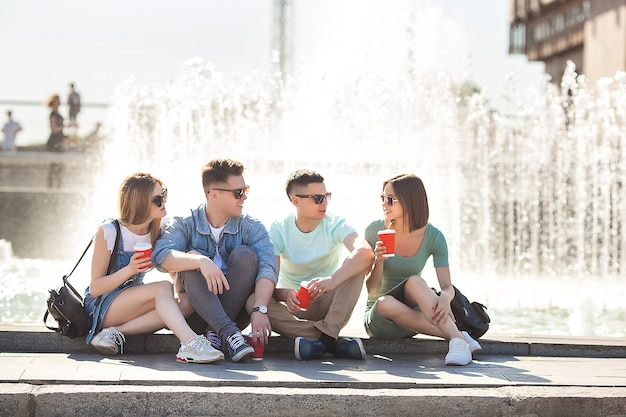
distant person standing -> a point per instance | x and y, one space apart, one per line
55 140
73 101
10 130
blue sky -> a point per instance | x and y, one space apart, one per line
45 45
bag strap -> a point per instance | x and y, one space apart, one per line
79 259
65 277
115 246
45 318
117 242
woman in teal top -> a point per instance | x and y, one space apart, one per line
400 303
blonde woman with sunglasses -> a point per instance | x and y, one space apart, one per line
400 303
119 302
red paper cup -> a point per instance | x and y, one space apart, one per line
388 237
259 348
303 295
145 248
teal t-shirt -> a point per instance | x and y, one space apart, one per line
304 256
399 268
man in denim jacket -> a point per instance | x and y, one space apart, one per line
222 257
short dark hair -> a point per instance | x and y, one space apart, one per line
218 171
302 178
410 191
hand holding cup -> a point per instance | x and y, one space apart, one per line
145 249
303 295
388 237
258 346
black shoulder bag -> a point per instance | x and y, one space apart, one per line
65 304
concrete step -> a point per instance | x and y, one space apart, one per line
35 338
45 374
150 401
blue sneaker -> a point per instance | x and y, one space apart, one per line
350 348
238 348
308 349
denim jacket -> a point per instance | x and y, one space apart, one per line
189 233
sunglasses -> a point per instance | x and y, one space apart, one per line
317 198
158 200
238 193
387 199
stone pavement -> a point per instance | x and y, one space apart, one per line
43 374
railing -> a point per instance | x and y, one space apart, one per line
29 171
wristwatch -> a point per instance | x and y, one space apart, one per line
260 309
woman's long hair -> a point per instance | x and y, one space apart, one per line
135 198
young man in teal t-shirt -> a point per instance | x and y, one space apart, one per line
308 246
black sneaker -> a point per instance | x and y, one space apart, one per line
350 348
238 348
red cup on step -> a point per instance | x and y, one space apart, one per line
259 348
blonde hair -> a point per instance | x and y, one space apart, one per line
52 99
135 198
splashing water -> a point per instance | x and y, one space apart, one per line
530 198
534 189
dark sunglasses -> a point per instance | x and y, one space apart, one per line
158 200
317 198
238 193
387 199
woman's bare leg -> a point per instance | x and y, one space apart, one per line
146 308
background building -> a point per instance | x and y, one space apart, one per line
592 34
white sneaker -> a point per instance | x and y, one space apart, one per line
473 345
109 341
198 350
458 353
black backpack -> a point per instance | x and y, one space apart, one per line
471 317
65 305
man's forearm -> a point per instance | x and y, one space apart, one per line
360 262
263 291
177 261
280 294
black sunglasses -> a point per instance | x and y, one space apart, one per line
238 193
389 200
158 200
317 198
